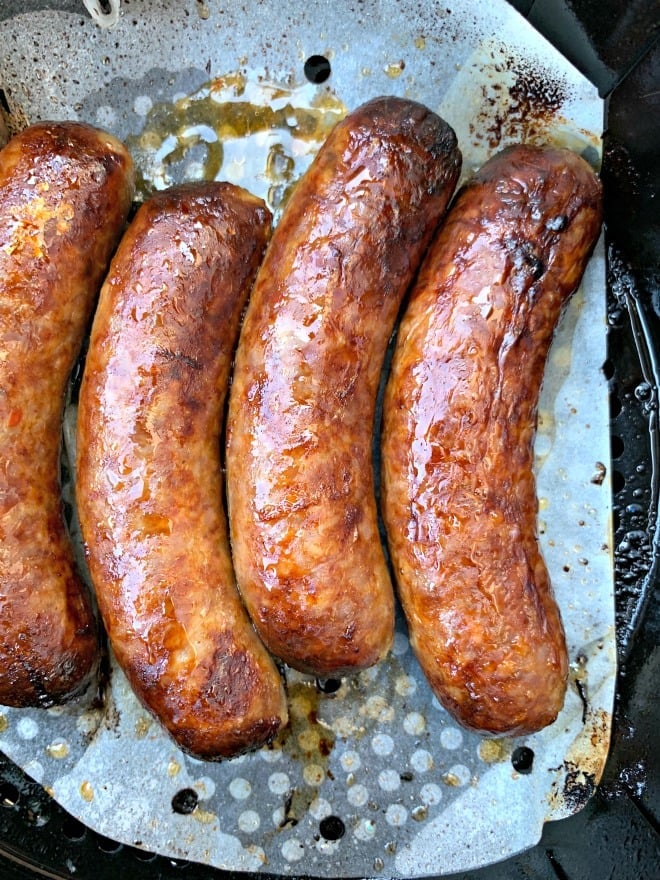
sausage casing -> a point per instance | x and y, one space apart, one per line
65 193
302 510
149 480
459 493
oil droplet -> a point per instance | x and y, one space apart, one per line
58 749
313 738
4 724
395 69
173 768
451 779
237 127
204 816
86 792
493 751
420 42
142 726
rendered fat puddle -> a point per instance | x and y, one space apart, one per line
238 127
377 752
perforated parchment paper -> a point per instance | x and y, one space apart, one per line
372 778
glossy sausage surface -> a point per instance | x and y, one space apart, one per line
302 510
459 493
65 193
150 483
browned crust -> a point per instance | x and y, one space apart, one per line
459 495
65 193
150 483
302 512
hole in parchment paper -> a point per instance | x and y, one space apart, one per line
9 794
185 801
328 685
332 828
317 69
4 103
522 759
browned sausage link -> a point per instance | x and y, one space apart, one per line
65 193
459 494
149 475
303 516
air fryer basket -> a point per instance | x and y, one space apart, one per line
616 832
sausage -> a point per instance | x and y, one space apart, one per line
149 479
65 193
459 419
302 511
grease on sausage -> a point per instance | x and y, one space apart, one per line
150 483
459 494
65 193
302 510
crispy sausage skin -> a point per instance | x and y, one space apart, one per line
149 481
459 494
65 193
302 511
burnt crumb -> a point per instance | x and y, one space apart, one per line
581 689
289 820
599 474
578 787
